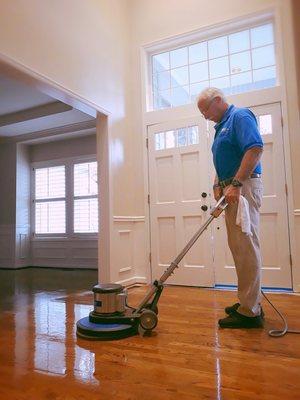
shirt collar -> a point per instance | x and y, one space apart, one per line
225 116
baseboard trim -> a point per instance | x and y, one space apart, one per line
59 268
132 281
264 288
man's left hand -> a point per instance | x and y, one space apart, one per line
232 194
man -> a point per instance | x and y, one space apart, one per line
237 149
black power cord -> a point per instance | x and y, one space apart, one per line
279 332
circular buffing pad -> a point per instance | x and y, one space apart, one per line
90 330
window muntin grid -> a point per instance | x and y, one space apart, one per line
185 136
237 62
50 200
85 197
265 124
65 201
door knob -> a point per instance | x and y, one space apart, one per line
204 208
204 194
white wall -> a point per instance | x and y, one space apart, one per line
92 49
82 47
81 146
22 207
156 20
7 204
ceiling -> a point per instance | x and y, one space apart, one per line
25 111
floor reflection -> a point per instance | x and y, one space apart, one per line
44 324
50 334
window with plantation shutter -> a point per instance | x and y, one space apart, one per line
85 198
65 198
50 200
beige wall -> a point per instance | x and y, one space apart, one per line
173 18
156 20
84 47
92 48
7 183
296 26
81 146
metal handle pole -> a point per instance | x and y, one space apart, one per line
215 212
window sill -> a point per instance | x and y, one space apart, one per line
65 238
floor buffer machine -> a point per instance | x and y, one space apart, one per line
112 318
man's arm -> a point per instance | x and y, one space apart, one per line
249 162
218 192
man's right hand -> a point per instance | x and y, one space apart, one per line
218 192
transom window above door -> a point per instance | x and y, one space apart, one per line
237 62
185 136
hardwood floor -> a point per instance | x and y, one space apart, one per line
187 357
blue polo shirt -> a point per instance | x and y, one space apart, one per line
236 133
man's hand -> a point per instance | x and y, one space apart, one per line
232 194
218 192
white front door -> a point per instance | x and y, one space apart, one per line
179 186
274 237
180 172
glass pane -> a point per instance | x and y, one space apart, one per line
161 99
193 135
196 88
180 96
265 124
198 72
41 183
240 62
265 74
50 182
159 141
218 67
239 41
179 57
161 62
163 80
262 35
198 52
179 76
181 137
240 79
86 215
220 83
85 179
50 217
263 57
218 47
81 182
170 139
56 182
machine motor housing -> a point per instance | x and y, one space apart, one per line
109 298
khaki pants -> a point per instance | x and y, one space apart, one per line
246 249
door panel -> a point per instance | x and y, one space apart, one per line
274 239
178 176
180 170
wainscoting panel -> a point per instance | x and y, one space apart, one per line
65 253
7 246
130 262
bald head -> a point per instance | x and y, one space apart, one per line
212 104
